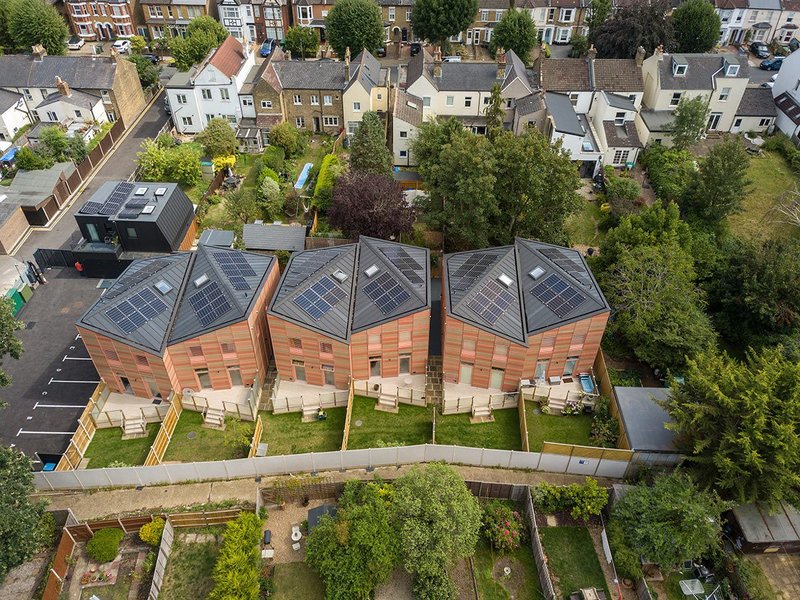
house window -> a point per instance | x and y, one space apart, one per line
111 355
327 100
732 71
753 16
405 364
551 15
449 100
569 366
724 93
403 153
78 114
235 375
738 122
141 360
498 14
330 121
541 369
679 70
107 97
297 100
391 13
195 351
426 101
209 117
404 134
28 95
247 102
203 379
563 34
329 374
300 122
181 98
228 348
484 15
51 116
573 98
676 98
224 94
619 119
567 15
155 12
621 157
467 101
132 233
299 370
314 100
374 366
266 104
295 343
325 348
186 120
380 96
356 106
304 13
206 93
764 122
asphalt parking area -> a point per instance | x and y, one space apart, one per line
54 379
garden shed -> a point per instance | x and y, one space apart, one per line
274 237
642 423
761 529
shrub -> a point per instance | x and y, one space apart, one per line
625 560
434 587
274 157
757 586
288 137
149 563
502 526
46 530
605 428
104 545
267 173
621 192
328 171
150 533
582 500
237 572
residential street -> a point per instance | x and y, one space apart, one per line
119 165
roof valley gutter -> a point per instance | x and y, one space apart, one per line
524 315
186 280
352 310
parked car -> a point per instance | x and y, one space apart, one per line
267 47
122 46
416 48
75 43
381 52
167 107
772 64
759 49
450 59
770 82
152 58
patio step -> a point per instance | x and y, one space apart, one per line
556 404
310 414
387 404
481 414
133 428
214 418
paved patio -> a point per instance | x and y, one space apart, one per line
783 572
280 523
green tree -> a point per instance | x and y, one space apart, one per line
53 142
76 148
640 23
437 20
138 44
495 112
288 137
237 569
368 204
516 31
183 165
354 24
5 18
161 160
670 521
356 551
535 188
202 34
209 25
218 138
329 171
34 22
20 536
368 150
147 71
28 160
10 344
580 45
436 518
152 161
740 423
696 25
302 41
670 171
721 184
270 197
241 206
599 11
622 192
691 116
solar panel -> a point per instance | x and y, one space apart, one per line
306 264
130 280
129 214
566 262
236 268
117 197
473 269
320 298
386 293
491 302
557 295
91 208
403 261
209 303
135 203
136 311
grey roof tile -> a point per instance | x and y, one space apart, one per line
565 119
408 108
757 102
76 98
310 75
80 72
701 70
621 136
30 188
8 99
257 236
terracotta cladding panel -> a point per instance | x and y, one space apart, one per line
416 325
188 239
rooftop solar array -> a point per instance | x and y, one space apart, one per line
306 264
403 261
209 303
117 197
123 284
236 268
472 270
386 293
136 311
91 208
320 298
491 301
568 264
557 295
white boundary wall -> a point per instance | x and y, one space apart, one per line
313 462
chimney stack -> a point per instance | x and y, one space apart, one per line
660 53
287 55
640 52
347 64
38 52
591 54
501 63
63 87
437 63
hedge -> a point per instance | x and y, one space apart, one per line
274 157
236 574
323 191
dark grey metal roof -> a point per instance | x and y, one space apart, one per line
700 72
658 120
257 236
180 320
310 75
217 237
588 136
8 99
7 209
366 70
525 315
80 72
757 102
30 188
761 524
565 119
355 311
644 418
620 102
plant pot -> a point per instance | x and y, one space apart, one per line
627 584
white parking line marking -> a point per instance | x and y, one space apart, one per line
69 381
37 405
77 337
22 431
73 358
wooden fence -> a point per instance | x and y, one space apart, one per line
401 394
164 550
160 444
523 426
545 580
83 435
57 573
601 376
259 430
348 415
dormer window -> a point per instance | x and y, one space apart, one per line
732 71
679 70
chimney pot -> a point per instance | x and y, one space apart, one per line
38 52
592 52
437 63
501 63
640 53
347 63
63 87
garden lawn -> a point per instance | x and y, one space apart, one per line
297 581
107 446
287 434
207 444
503 433
191 565
572 429
412 425
771 178
572 559
583 226
490 588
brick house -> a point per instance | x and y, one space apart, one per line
529 311
257 20
105 20
192 320
353 312
397 19
169 18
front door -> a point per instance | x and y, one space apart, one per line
737 125
569 366
466 374
541 370
299 370
151 385
496 381
126 385
547 37
316 125
469 36
329 375
713 121
235 375
375 367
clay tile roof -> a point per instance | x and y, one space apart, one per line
617 75
228 57
565 74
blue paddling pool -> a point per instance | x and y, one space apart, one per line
301 181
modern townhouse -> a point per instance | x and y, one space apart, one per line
169 18
41 79
105 20
592 106
525 314
211 88
787 28
186 322
463 90
407 118
397 19
257 20
668 78
353 313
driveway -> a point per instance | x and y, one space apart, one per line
118 165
